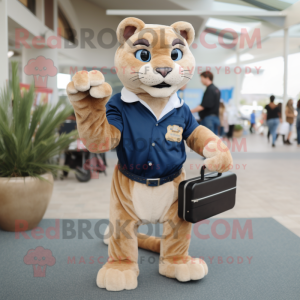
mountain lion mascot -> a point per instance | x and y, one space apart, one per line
147 123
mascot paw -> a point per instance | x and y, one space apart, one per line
193 269
218 157
84 83
118 276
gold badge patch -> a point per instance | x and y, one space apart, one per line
174 133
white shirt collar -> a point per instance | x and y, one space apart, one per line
174 101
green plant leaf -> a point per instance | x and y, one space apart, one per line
29 136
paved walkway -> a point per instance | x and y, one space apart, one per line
268 185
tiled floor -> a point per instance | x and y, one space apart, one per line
268 185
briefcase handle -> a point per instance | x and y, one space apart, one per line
202 172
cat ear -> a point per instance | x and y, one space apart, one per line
129 27
186 30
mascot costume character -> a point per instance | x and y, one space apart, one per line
147 123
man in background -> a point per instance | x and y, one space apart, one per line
252 121
209 108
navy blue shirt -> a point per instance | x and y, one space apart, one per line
143 149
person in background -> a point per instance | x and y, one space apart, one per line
221 117
279 105
209 108
232 118
180 92
263 124
72 117
290 115
279 131
252 121
298 122
272 116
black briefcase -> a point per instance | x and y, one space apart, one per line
206 196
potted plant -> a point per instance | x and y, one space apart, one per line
28 142
238 131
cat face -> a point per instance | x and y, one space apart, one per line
154 59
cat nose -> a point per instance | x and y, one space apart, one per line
163 71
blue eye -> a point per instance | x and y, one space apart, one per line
176 54
143 55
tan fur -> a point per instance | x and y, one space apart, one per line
206 143
189 30
149 243
160 48
173 246
94 130
88 94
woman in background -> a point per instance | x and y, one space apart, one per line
232 118
298 122
279 131
221 117
272 117
290 115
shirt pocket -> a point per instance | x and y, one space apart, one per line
173 145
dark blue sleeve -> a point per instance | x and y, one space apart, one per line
113 112
190 121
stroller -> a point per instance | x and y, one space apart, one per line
87 165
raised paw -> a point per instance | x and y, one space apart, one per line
88 83
118 276
184 269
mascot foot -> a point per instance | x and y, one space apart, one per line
118 276
183 268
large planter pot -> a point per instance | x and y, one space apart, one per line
24 198
238 133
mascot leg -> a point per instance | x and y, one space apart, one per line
121 270
174 259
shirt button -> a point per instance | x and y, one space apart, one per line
150 163
153 144
156 124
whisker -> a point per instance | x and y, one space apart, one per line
134 76
137 79
136 72
185 77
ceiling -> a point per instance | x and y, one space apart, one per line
270 5
197 22
213 26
